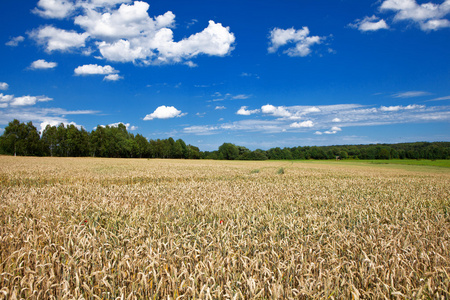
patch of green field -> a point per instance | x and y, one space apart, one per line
412 162
445 163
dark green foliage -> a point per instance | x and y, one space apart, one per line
21 139
228 151
419 150
69 141
111 141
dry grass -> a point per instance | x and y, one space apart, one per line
142 229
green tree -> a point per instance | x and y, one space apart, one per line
49 140
141 146
21 139
229 151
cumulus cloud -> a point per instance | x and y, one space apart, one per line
4 86
58 9
292 113
305 124
93 69
112 77
429 16
28 100
127 126
59 39
123 31
435 24
56 122
333 130
220 107
164 112
42 64
279 111
15 41
336 120
243 111
5 99
126 22
372 23
300 38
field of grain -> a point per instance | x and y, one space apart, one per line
89 228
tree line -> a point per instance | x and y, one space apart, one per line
115 141
418 150
104 141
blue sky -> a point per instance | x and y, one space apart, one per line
276 74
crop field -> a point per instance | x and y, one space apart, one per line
89 228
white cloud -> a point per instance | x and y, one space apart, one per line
311 109
240 97
123 51
372 23
411 94
222 97
4 86
28 100
279 111
243 111
435 99
112 77
95 70
164 112
303 42
44 116
129 34
435 24
56 122
123 31
126 22
6 98
220 107
14 42
333 130
58 9
399 107
323 118
25 100
336 120
305 124
201 130
292 113
42 64
58 39
215 40
127 126
429 16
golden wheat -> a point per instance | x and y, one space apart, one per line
150 229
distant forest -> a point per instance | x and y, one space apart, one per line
115 141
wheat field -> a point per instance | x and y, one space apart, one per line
87 228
